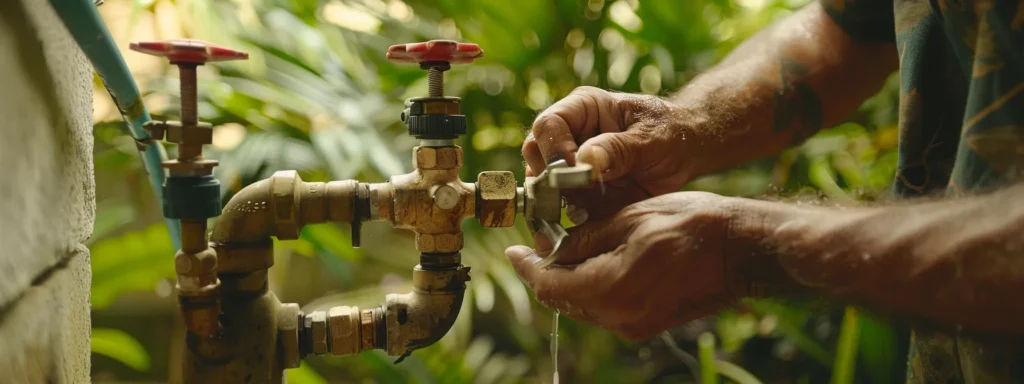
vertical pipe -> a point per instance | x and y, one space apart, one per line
193 235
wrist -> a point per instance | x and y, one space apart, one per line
753 255
672 132
707 147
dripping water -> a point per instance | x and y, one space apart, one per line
554 346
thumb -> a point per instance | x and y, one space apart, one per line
612 154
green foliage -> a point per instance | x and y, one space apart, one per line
846 350
706 349
120 346
304 375
318 96
135 261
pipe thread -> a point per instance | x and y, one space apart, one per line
189 97
435 82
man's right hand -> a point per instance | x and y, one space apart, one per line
640 146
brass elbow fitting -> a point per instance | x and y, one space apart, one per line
278 206
420 318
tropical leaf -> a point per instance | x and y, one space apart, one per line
120 346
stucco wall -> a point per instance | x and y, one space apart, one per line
47 198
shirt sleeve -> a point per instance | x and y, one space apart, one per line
864 20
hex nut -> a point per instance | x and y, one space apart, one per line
288 334
496 203
449 157
318 331
282 201
344 330
189 283
424 158
439 242
367 330
200 133
437 158
425 242
191 168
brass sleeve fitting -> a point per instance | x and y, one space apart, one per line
341 330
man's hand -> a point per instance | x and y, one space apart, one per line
677 257
655 264
637 145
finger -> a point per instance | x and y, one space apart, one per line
532 155
593 239
542 245
529 172
552 134
601 205
582 114
612 154
562 288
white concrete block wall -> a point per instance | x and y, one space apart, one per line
47 198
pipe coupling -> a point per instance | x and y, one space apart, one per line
341 330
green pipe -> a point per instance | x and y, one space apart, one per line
87 28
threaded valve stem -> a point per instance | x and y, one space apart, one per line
435 82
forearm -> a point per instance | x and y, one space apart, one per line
779 87
955 262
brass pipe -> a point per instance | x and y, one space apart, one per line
197 284
431 201
406 322
420 318
246 350
278 206
341 330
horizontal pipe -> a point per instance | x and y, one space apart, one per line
280 206
406 322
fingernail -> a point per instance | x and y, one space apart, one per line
542 244
597 157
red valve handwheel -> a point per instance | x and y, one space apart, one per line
435 51
188 51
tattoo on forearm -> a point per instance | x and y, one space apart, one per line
796 105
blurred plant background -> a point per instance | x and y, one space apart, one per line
318 96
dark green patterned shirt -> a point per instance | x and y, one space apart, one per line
961 130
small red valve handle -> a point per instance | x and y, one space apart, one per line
446 51
188 51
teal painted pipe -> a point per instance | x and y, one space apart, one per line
87 28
